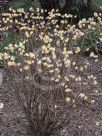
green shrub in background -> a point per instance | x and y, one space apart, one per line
24 4
96 4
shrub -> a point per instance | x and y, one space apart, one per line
49 78
92 29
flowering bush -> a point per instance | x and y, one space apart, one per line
47 72
86 34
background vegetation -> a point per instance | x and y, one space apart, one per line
35 3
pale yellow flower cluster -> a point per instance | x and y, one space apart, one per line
57 55
91 23
57 65
34 22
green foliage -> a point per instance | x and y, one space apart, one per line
24 4
96 4
9 38
92 39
